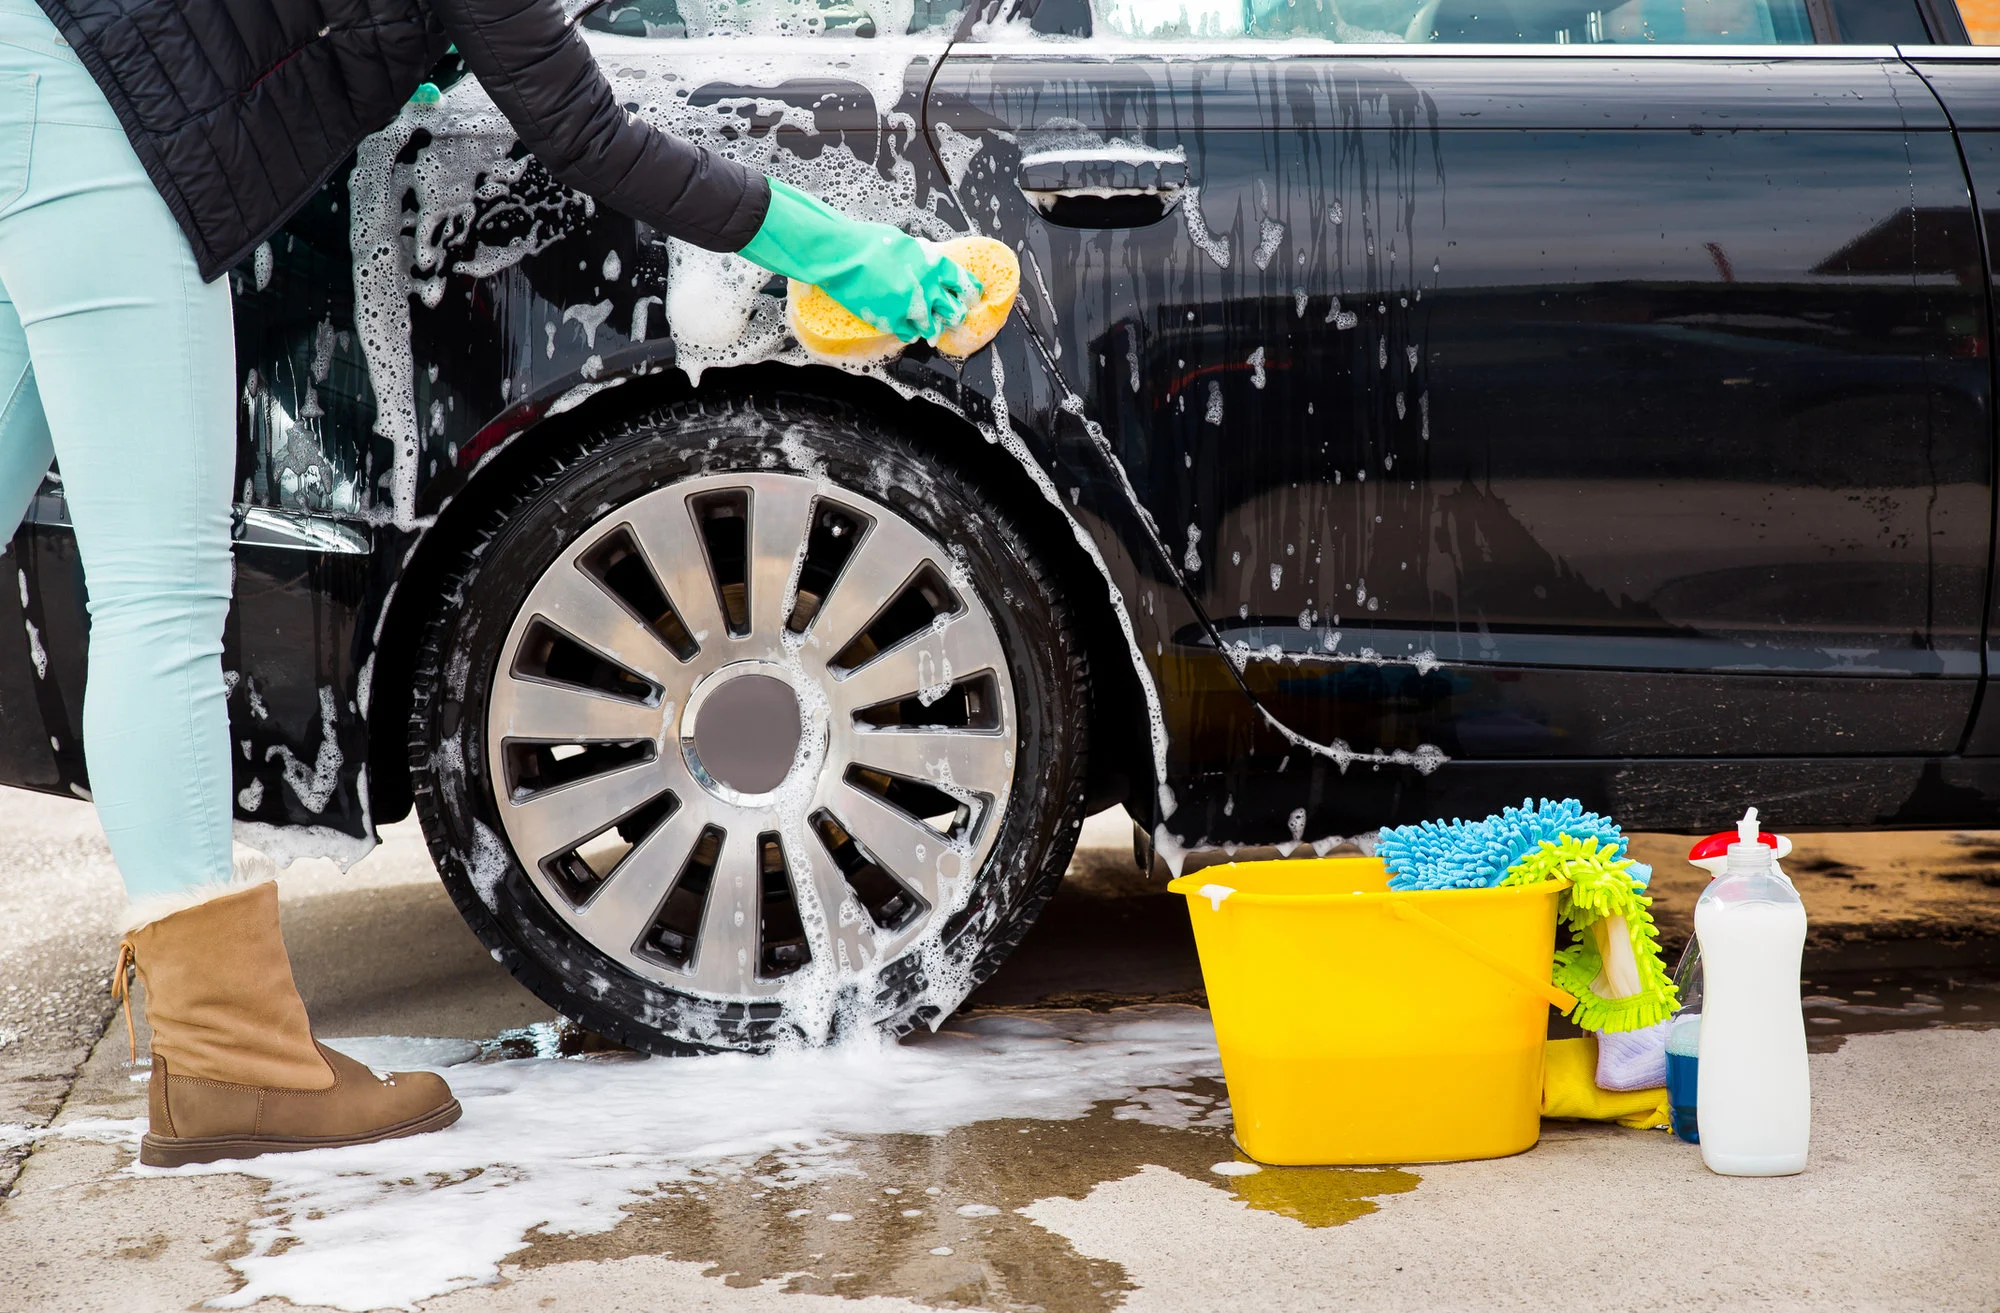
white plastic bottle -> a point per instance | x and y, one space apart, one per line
1753 1089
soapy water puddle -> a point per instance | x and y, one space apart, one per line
869 1168
884 1231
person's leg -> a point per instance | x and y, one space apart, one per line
135 367
25 448
133 360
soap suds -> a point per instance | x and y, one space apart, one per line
955 151
561 1146
314 786
1269 234
589 318
1216 248
1425 758
463 171
285 844
405 1052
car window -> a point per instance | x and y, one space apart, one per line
674 19
1877 23
1547 22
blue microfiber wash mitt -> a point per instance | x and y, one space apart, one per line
1478 854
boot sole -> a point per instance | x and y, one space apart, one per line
168 1151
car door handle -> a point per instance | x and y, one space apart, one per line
1102 188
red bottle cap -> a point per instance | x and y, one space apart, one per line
1712 853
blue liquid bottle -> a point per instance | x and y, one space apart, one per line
1684 1044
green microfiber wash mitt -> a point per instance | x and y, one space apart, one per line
1622 989
1614 967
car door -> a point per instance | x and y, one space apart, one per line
1566 400
1966 79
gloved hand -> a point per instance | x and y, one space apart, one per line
882 274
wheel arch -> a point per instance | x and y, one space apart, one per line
1117 708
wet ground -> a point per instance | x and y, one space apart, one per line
986 1254
1870 1002
1135 1201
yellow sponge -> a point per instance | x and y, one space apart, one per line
829 330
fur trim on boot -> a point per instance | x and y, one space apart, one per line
142 912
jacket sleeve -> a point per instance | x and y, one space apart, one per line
542 76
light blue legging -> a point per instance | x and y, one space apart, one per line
116 359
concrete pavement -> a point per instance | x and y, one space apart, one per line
1103 1210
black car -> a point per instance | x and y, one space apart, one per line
1410 407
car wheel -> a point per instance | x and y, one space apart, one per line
750 723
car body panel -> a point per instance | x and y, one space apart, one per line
572 333
1427 373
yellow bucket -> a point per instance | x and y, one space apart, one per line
1363 1026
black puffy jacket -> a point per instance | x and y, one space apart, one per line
241 109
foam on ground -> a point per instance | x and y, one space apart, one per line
562 1144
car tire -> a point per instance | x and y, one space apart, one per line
603 703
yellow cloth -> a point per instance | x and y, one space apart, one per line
1569 1089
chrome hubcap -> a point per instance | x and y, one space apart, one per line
741 731
749 730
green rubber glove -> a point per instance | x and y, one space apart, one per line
882 274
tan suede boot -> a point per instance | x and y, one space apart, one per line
236 1071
